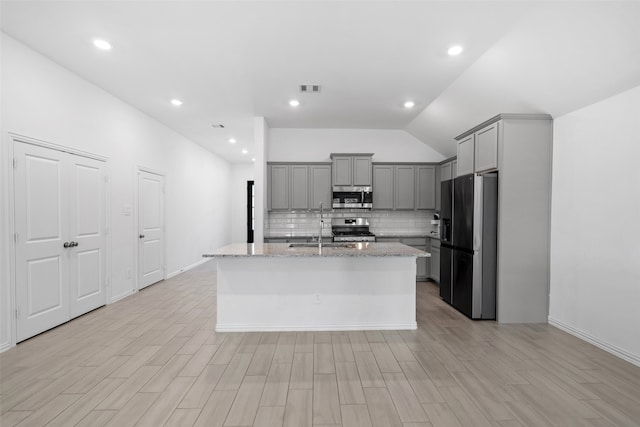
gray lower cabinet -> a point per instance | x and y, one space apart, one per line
435 260
422 264
298 186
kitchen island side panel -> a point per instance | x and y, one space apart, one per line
316 294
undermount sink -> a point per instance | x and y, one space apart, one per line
324 245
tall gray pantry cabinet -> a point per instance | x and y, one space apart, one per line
519 147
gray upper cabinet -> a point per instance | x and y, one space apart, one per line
438 188
342 170
405 187
426 187
352 169
320 186
486 150
383 186
278 187
362 171
299 187
445 172
466 153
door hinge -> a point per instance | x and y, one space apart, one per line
17 312
16 237
15 163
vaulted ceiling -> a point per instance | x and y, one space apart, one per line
231 61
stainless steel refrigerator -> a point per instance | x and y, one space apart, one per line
469 246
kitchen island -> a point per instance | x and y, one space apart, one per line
285 287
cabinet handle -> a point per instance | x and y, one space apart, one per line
66 245
142 236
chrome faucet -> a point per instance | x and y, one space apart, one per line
321 227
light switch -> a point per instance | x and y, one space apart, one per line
126 210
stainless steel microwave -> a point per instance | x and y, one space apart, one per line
352 197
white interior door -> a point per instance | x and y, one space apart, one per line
42 229
150 228
87 275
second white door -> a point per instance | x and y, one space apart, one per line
150 228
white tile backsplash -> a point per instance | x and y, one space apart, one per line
381 223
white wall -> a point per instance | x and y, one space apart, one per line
595 234
315 145
240 174
45 101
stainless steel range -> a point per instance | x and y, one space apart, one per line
351 230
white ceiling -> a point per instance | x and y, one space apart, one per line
232 61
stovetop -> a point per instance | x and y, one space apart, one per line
351 230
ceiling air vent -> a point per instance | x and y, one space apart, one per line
309 88
217 126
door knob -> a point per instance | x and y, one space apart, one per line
142 236
66 245
73 244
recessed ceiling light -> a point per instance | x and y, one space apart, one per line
176 102
409 104
102 44
245 151
455 50
232 141
294 102
253 159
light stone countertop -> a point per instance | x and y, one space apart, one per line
284 250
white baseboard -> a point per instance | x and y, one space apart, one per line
122 296
187 268
616 351
5 346
299 328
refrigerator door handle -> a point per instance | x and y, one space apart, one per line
477 210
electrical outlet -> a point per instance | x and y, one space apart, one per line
317 299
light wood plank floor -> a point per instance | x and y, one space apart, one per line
155 359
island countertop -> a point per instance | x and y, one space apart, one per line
369 249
